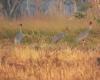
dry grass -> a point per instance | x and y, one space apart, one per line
26 63
47 61
45 23
46 27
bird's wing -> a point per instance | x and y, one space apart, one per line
82 36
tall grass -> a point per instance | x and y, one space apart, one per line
25 63
40 59
41 29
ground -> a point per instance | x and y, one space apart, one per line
37 58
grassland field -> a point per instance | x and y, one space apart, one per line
40 59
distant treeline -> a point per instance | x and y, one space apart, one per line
20 8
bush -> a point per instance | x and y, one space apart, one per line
84 6
98 20
80 15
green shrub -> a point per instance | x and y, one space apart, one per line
80 15
84 6
98 20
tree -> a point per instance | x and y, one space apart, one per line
56 7
11 7
37 7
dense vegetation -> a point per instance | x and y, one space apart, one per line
37 57
20 8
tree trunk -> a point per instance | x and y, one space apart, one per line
37 11
75 5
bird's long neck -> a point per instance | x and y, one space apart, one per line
90 27
20 29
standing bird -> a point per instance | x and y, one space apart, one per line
19 35
83 35
56 38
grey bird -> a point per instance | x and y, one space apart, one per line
19 36
56 38
83 35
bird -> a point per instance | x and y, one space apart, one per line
19 35
83 35
57 37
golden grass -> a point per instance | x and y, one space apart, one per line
48 61
45 23
49 25
26 63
